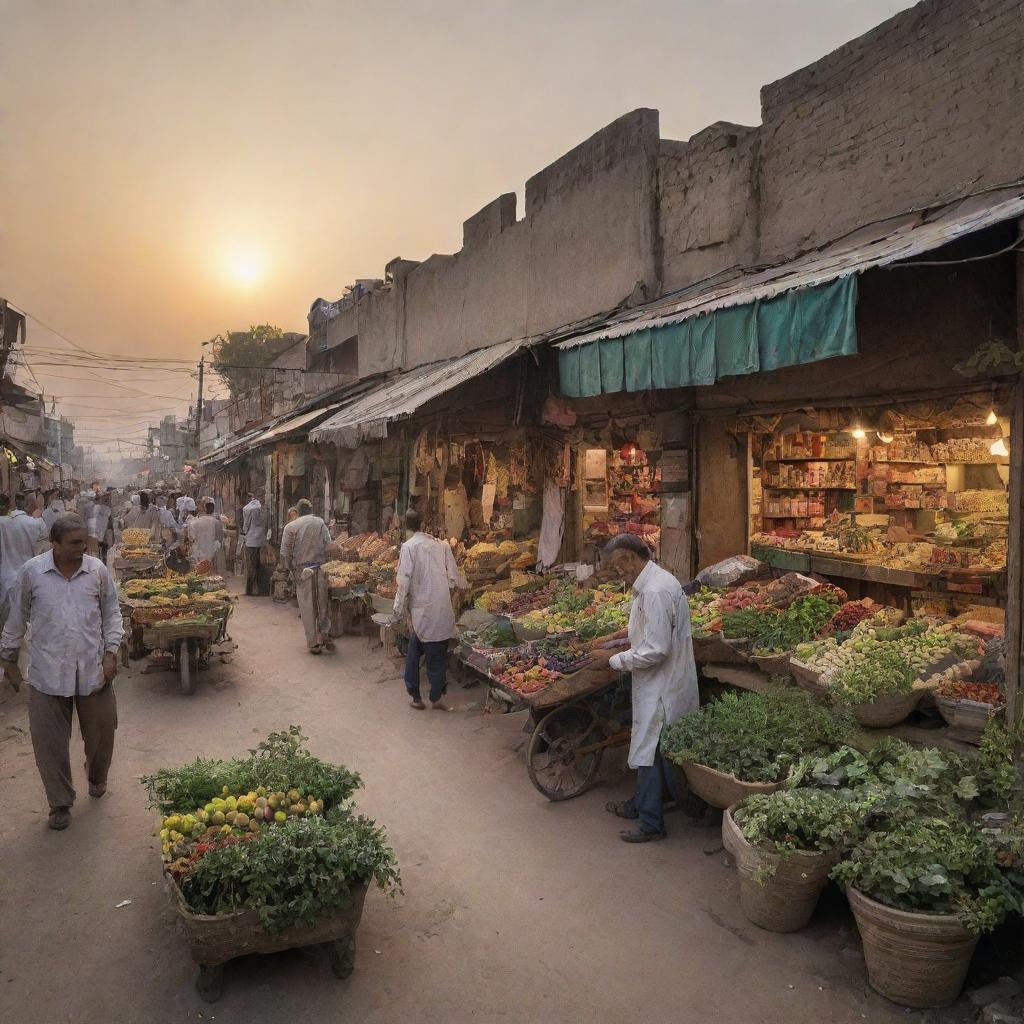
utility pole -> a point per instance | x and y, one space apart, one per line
199 403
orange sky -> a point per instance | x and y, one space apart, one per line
147 145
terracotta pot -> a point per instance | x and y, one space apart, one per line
719 789
914 959
784 897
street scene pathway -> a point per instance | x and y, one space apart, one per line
515 909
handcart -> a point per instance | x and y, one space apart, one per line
188 642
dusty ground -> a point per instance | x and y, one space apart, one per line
515 909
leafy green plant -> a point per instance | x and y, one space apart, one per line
808 820
295 873
748 623
941 865
756 736
279 762
998 776
880 673
801 621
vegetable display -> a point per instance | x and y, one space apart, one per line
809 820
269 832
756 737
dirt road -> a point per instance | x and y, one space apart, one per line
515 909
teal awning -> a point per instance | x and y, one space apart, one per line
800 326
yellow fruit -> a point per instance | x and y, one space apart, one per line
176 837
218 804
210 808
172 821
202 816
241 820
293 795
261 801
225 829
225 791
217 817
254 825
273 801
261 791
164 834
232 803
301 805
280 816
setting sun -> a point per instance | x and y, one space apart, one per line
245 267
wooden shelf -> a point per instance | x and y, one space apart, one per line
772 487
814 458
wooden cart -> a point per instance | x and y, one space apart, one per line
574 720
188 642
215 939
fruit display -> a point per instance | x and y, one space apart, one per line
982 693
363 547
345 574
135 537
289 852
851 614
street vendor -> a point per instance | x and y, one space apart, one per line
255 527
206 538
303 550
70 602
664 674
427 574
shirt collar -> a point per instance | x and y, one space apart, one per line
15 512
646 576
49 565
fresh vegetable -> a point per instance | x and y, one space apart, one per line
810 820
983 693
756 736
879 673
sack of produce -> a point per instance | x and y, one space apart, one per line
732 571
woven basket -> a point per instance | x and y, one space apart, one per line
914 959
785 900
807 678
969 715
887 711
215 939
773 664
719 789
712 648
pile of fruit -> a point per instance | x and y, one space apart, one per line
850 615
983 693
135 537
563 656
526 675
364 547
518 600
345 574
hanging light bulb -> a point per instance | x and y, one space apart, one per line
999 448
859 432
885 437
993 419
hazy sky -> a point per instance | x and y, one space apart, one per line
157 153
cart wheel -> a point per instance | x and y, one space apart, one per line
554 766
210 983
343 957
187 667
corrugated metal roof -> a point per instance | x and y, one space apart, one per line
287 426
874 246
368 415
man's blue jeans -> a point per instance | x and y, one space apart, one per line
654 785
436 652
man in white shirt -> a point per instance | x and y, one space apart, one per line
255 525
206 536
664 678
70 600
53 507
427 575
19 535
303 550
99 521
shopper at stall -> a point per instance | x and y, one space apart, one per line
168 524
144 516
427 575
304 543
206 536
664 687
255 524
70 601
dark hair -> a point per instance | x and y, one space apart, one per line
19 500
413 520
64 524
303 506
209 508
143 499
5 501
628 542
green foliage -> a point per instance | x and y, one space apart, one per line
810 820
756 736
294 873
881 673
942 865
994 357
748 623
279 762
801 621
997 770
238 356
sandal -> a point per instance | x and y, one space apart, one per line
316 650
640 836
621 809
417 704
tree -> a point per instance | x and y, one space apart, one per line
238 356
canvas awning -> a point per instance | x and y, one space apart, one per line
368 415
794 313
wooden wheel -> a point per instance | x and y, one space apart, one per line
188 665
556 767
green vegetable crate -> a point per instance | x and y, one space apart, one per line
214 939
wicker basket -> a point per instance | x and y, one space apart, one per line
773 664
712 648
886 711
784 901
914 959
719 789
969 715
807 678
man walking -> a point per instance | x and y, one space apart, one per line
99 523
427 575
206 536
660 658
255 524
303 550
19 535
70 601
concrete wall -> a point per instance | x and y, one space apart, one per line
708 208
922 109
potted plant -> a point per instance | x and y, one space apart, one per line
921 893
785 844
746 743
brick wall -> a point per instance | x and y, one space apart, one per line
926 107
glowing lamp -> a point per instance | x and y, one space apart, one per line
992 419
998 447
859 432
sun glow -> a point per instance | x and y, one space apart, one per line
246 267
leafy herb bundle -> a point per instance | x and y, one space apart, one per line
808 820
756 736
880 673
294 873
772 630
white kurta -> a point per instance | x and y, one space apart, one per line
660 657
205 534
427 574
